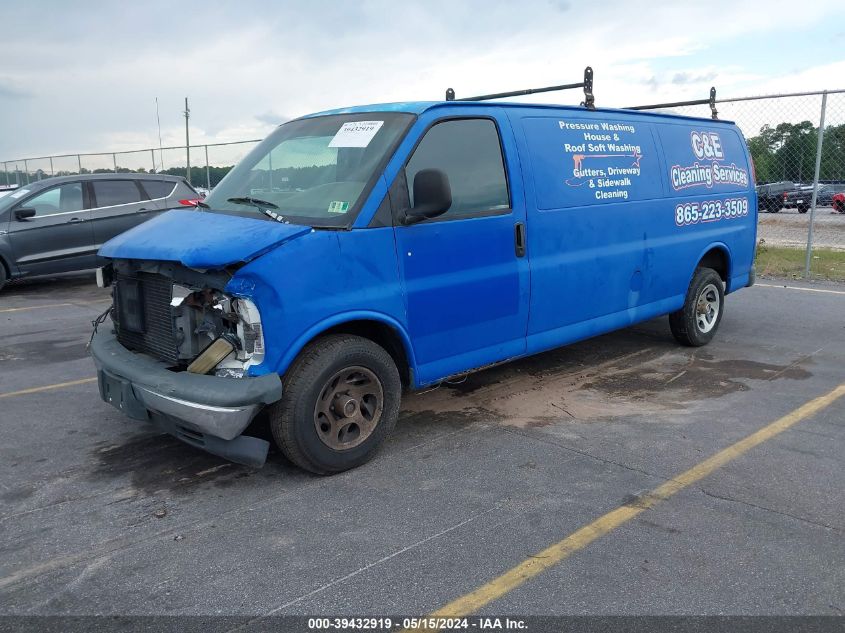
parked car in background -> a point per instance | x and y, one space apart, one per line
802 198
792 199
770 195
838 202
58 224
827 192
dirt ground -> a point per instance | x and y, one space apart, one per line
789 228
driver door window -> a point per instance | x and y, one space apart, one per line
62 199
469 152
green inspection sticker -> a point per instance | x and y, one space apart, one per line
338 206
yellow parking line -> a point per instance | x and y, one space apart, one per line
49 305
555 554
59 385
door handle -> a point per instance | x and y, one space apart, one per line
519 239
76 220
143 210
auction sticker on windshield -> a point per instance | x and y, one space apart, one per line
338 206
356 134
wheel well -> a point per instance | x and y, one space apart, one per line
717 259
383 335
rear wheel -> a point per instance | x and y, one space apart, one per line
340 401
4 276
803 209
696 322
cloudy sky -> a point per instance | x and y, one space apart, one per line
84 76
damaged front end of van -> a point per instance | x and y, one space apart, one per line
185 334
197 293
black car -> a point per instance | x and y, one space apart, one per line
771 195
802 198
58 224
796 197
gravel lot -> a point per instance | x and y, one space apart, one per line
101 515
789 228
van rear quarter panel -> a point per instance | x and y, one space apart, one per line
607 242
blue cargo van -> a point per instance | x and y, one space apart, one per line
360 252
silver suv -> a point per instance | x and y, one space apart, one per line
58 225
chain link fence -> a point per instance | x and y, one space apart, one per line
797 142
209 163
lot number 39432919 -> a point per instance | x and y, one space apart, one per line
710 211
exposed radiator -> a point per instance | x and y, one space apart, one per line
143 315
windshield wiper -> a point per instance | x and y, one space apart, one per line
253 202
262 205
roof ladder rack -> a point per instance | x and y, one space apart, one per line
587 85
711 101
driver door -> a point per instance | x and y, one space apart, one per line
59 237
464 272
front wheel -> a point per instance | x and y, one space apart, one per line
340 400
696 322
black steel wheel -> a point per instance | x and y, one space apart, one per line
340 400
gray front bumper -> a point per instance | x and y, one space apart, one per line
204 411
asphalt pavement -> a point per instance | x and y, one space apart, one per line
101 515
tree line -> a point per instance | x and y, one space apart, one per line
787 151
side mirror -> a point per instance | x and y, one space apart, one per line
432 196
24 214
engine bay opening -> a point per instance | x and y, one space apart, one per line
175 314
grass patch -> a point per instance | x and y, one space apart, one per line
779 261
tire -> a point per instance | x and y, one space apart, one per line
4 276
688 325
803 209
340 400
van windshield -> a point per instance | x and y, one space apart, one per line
314 171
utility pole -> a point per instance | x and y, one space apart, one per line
187 139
